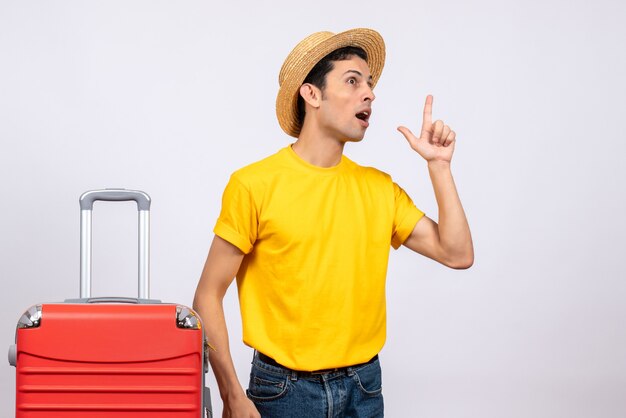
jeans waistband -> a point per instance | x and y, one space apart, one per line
299 373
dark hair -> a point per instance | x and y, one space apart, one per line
317 75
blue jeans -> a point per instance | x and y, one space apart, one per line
278 392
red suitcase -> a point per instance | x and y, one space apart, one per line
110 357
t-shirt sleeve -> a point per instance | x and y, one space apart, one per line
238 220
405 217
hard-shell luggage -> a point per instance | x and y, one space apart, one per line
110 357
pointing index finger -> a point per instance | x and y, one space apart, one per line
428 111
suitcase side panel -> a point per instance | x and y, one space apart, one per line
86 361
107 333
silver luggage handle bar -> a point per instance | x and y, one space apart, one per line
143 207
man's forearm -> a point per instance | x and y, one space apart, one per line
219 271
219 353
454 232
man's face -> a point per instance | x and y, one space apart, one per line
346 103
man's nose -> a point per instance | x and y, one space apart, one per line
369 95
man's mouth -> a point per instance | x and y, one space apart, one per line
363 115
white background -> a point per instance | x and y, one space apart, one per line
171 97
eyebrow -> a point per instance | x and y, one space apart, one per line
357 72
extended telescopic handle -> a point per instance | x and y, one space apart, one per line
143 207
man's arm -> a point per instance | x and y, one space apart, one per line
219 271
450 241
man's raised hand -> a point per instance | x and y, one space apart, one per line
436 140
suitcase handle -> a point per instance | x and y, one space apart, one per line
114 195
86 201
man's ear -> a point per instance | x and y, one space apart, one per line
311 94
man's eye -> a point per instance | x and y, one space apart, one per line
352 81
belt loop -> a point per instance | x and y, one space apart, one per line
350 371
293 376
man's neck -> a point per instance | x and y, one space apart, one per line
318 149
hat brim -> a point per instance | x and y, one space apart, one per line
307 54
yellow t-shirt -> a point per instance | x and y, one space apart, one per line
312 282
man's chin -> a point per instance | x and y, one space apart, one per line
355 138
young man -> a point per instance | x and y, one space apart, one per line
307 232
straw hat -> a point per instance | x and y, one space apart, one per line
309 52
